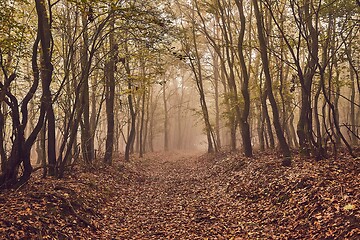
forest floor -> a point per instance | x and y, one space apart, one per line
190 196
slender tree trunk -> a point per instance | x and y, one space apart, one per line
151 122
268 83
217 109
42 152
2 134
46 78
87 151
231 116
265 112
260 127
180 116
354 77
304 127
197 70
332 113
320 153
136 147
244 125
336 104
146 123
354 139
235 115
110 96
131 137
166 119
142 120
93 122
292 129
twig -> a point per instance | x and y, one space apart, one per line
82 219
21 185
78 216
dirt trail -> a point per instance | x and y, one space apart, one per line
173 199
231 197
190 196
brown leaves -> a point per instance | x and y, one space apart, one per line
164 196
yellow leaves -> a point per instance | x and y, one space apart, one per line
348 207
126 91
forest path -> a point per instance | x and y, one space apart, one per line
190 196
172 199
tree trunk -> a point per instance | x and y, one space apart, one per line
354 77
320 152
87 150
110 96
151 122
131 137
268 83
166 118
142 119
260 127
336 104
46 78
179 122
265 112
244 125
198 75
21 147
217 109
146 122
354 139
2 134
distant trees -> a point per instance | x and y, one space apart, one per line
314 28
299 44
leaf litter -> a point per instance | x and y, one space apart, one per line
190 196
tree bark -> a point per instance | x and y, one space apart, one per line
244 125
268 83
217 109
46 70
166 118
87 151
110 96
131 137
142 119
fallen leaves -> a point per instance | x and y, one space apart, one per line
177 196
349 207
